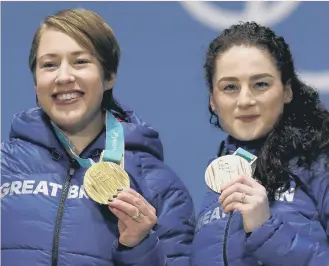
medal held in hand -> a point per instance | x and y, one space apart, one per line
228 167
102 179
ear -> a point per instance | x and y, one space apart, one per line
212 103
109 84
36 95
288 94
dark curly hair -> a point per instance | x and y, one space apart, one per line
303 129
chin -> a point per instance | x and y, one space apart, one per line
250 136
66 121
247 136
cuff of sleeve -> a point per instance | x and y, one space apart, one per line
128 256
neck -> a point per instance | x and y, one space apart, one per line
84 135
251 146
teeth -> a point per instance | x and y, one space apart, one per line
67 96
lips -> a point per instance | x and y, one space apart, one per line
56 94
247 118
67 97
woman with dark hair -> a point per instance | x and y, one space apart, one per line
281 215
83 180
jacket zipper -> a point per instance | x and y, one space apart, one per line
223 151
225 239
65 192
60 211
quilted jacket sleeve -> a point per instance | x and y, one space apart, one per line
277 239
277 243
169 242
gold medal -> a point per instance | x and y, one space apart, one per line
102 180
224 169
122 162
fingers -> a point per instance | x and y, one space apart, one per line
241 190
124 190
248 181
236 197
236 187
126 207
130 204
123 217
232 206
129 190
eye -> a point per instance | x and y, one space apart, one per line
230 88
48 65
82 61
261 85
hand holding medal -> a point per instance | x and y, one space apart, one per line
231 176
136 216
104 179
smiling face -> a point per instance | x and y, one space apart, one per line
69 81
248 95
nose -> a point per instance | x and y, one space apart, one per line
65 74
246 98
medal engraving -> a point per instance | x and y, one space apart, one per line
224 169
102 180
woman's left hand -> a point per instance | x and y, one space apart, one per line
246 195
136 216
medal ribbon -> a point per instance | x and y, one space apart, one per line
248 156
114 143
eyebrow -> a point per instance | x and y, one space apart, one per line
53 55
254 77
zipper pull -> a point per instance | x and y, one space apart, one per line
71 171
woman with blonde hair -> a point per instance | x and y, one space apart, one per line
83 179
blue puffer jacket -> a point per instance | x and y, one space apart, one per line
47 218
297 234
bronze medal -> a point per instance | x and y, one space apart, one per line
224 169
